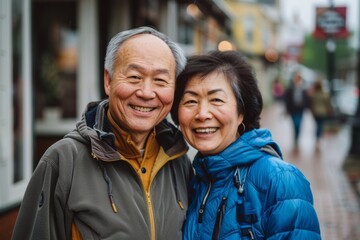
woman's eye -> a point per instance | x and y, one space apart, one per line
217 100
189 101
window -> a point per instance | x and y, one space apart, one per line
55 32
249 23
65 63
16 118
55 60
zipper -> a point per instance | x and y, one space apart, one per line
219 219
149 205
203 203
151 215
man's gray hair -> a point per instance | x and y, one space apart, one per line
116 42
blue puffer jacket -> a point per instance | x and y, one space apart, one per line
276 201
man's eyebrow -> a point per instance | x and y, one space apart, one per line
140 68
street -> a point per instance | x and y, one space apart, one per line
335 200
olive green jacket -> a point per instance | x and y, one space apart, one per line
81 179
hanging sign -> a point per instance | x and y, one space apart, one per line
330 22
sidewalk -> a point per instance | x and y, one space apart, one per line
335 198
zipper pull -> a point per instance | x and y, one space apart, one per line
247 232
181 204
201 213
251 234
113 205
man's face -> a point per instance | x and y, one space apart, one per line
141 91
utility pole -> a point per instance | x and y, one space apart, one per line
330 53
355 136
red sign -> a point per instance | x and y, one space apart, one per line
330 22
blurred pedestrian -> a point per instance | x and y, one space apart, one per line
277 90
243 189
123 172
321 108
296 102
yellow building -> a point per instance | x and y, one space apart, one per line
255 29
255 26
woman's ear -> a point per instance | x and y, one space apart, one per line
240 119
107 81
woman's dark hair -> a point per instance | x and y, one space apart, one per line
240 76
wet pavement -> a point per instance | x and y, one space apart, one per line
335 198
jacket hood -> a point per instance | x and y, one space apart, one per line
94 128
248 148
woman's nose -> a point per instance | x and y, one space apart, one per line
204 112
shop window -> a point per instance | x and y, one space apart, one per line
55 54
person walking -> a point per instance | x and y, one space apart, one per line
296 102
277 90
123 172
242 188
321 108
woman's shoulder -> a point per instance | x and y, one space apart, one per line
273 164
272 170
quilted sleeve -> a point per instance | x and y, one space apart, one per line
289 212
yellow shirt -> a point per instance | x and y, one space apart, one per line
143 164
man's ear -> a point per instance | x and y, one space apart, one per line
107 80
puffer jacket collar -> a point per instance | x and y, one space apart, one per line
247 149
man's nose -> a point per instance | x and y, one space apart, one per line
146 90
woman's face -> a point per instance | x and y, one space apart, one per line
208 113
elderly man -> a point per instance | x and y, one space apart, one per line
123 173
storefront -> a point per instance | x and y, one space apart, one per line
42 73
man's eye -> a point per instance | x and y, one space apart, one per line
134 79
161 81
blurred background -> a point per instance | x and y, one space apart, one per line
51 66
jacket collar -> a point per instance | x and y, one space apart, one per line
95 125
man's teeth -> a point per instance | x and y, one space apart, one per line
142 109
205 130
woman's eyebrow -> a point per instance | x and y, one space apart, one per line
213 91
190 92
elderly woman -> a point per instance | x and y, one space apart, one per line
242 189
